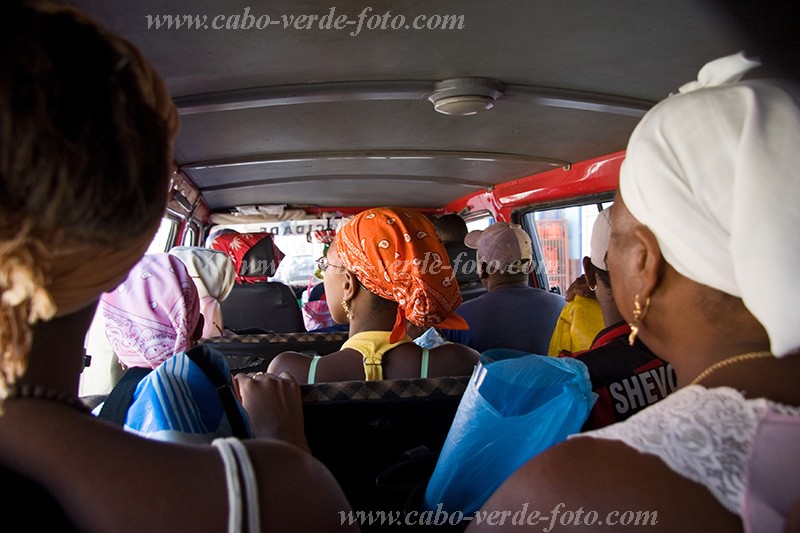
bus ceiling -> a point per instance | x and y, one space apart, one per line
453 105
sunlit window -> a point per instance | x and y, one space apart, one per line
297 239
163 239
564 239
479 223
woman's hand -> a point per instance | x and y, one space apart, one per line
274 406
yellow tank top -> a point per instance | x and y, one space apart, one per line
372 345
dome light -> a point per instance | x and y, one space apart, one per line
465 96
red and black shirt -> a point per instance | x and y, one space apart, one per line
626 378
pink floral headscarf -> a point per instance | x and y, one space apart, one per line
151 315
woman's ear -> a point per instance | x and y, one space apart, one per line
588 272
649 263
350 286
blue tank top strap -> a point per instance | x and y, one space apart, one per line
423 372
312 369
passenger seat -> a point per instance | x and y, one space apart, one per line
463 261
263 307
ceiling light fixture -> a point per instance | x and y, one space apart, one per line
465 96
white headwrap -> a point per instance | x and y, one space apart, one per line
214 275
714 172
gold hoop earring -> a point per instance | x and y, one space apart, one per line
592 288
347 310
638 315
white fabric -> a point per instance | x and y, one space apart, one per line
250 486
232 484
601 233
702 434
214 274
714 174
726 69
236 460
772 483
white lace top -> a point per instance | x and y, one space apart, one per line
702 434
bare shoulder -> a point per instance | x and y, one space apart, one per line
457 355
295 363
453 359
285 473
605 484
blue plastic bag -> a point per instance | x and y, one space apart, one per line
512 410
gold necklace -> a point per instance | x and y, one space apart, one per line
729 361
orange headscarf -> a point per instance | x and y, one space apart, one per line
396 254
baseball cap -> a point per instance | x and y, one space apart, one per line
601 233
501 245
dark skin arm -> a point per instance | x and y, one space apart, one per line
91 467
606 477
274 407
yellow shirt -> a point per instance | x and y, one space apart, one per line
578 324
372 345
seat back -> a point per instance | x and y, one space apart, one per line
361 429
265 307
465 266
253 353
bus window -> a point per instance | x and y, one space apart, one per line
564 235
190 235
480 222
164 236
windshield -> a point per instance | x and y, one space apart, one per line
297 240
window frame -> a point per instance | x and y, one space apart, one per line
520 216
175 223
